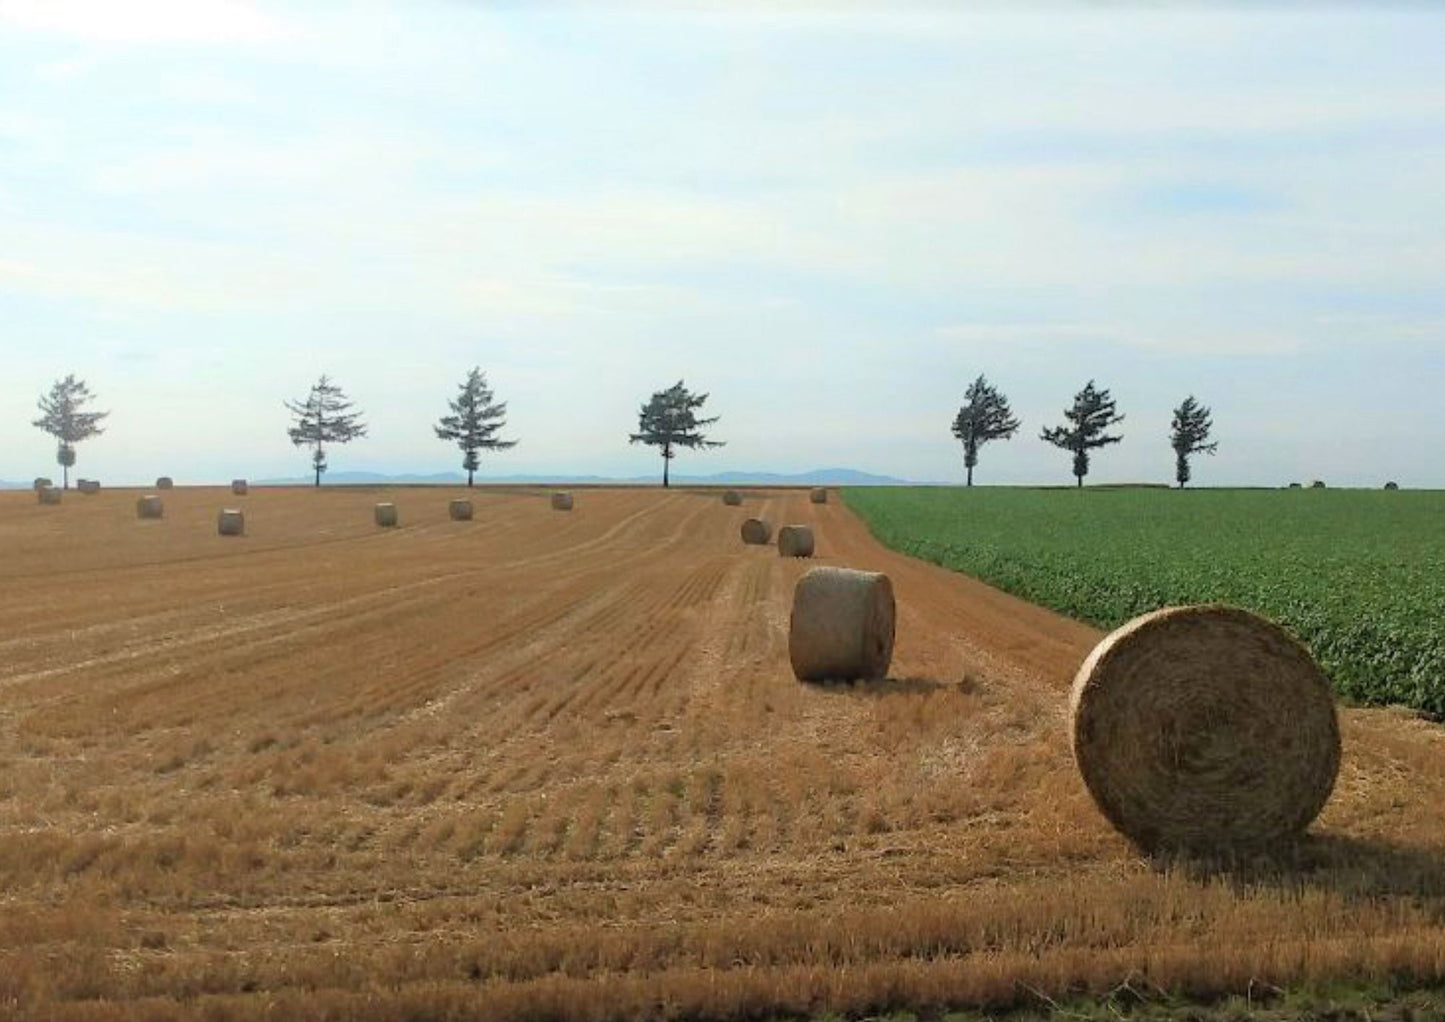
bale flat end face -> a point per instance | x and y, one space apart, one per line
732 498
385 515
460 510
819 495
795 541
842 625
756 532
149 507
1205 729
561 502
231 522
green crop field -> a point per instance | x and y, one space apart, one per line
1358 575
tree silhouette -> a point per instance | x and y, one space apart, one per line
1189 434
62 417
475 420
1089 418
986 417
669 421
324 417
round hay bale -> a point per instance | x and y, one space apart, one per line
756 531
41 483
732 498
385 515
149 506
795 541
842 625
460 510
1392 485
239 487
90 487
231 522
165 483
1296 486
48 495
1318 484
561 502
819 495
1205 728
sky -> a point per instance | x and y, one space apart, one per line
829 218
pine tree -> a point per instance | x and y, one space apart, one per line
62 417
1189 434
475 420
1089 418
669 421
324 417
986 417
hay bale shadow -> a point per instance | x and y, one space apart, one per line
910 686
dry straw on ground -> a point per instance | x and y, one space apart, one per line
385 515
842 625
460 510
561 502
165 483
231 522
149 506
732 498
756 531
819 495
1205 728
239 487
795 541
48 495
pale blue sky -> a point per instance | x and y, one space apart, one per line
831 219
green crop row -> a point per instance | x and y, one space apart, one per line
1359 576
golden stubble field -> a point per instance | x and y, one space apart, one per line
550 764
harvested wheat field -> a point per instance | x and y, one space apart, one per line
560 767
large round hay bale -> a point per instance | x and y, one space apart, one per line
48 495
165 483
239 487
1392 485
41 483
1199 728
561 502
732 498
842 625
385 515
756 531
795 541
460 510
819 495
89 487
231 522
149 506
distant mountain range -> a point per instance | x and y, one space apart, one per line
817 477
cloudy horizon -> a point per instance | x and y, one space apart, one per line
830 219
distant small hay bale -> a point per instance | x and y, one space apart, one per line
1205 728
460 510
149 506
561 502
842 625
239 487
385 515
795 541
1392 485
732 498
1318 484
88 486
48 495
819 495
41 483
756 531
165 483
231 522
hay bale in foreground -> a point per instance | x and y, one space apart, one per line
819 495
41 483
88 486
561 502
165 483
149 506
795 541
460 510
239 487
842 625
1205 728
231 522
756 531
732 498
48 495
385 515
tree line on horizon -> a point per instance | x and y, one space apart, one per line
668 421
